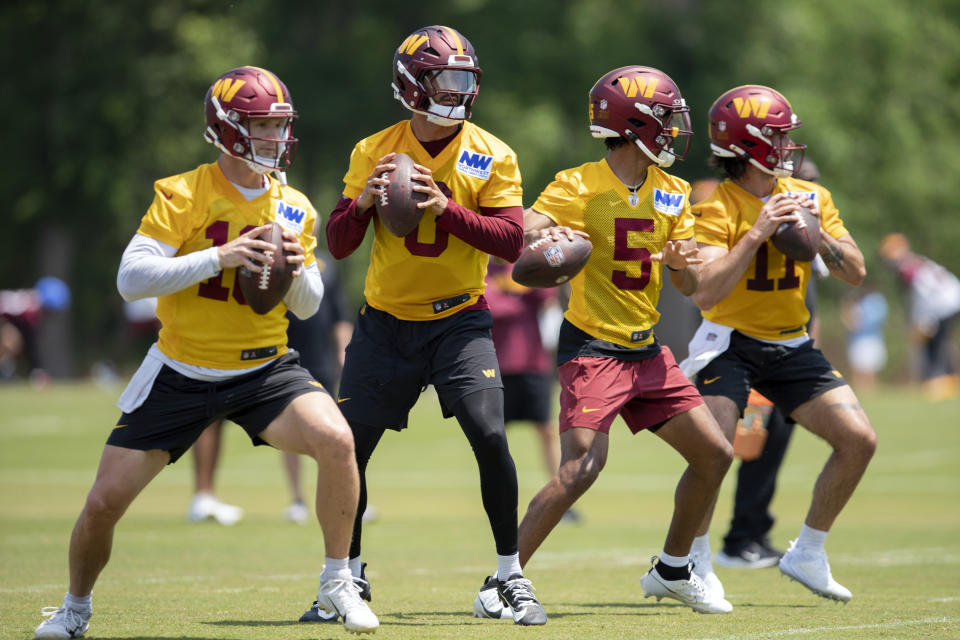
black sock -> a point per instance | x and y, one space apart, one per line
673 573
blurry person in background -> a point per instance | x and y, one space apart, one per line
21 313
865 317
934 300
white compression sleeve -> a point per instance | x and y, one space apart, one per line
304 296
151 268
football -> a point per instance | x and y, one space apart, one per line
799 240
397 203
547 263
263 291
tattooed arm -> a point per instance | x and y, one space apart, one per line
843 257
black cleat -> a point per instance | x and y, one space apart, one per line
517 593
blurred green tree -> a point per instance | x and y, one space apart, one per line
107 97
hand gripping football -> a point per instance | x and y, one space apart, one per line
799 240
263 291
547 263
397 203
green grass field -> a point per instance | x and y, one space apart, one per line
896 546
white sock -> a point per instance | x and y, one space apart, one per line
508 566
674 561
701 545
811 538
80 604
335 568
355 566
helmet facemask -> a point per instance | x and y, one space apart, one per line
446 94
235 138
674 128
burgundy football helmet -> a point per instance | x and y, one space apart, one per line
644 106
751 122
435 73
241 94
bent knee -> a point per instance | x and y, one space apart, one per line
104 506
716 460
329 440
578 475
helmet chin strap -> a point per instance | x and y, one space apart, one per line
664 159
784 172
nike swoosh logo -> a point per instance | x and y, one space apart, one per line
339 400
120 426
585 410
167 196
711 380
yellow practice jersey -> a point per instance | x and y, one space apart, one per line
406 275
768 302
207 324
614 297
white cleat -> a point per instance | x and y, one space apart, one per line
691 592
810 568
61 623
488 603
342 596
205 506
298 513
703 568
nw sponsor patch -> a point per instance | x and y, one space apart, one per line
807 195
290 217
475 165
667 202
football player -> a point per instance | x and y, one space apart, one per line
610 362
753 333
215 358
425 320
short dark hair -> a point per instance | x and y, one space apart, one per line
615 143
732 168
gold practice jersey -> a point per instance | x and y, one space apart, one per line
406 275
208 324
614 297
768 302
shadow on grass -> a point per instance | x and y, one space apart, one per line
650 606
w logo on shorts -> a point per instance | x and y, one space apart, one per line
489 373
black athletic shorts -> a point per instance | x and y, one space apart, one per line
786 376
179 408
526 396
389 362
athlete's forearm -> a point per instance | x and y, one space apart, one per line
306 292
843 258
495 230
685 280
150 268
719 276
346 228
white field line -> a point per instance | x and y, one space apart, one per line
780 633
